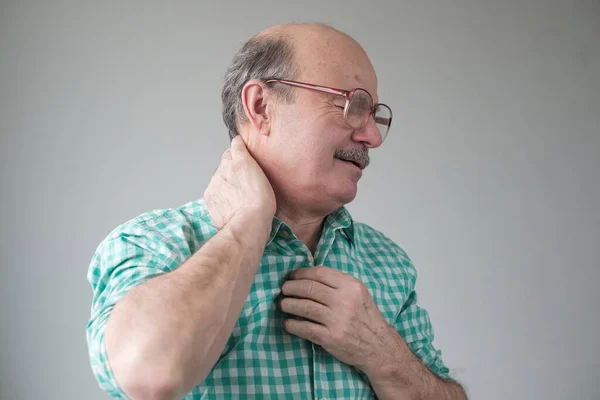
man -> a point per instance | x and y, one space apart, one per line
266 288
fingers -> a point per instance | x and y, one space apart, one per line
307 330
238 146
226 155
307 289
306 309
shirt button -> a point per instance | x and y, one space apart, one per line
311 260
285 234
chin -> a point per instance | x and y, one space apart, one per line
346 193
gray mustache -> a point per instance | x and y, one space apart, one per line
361 156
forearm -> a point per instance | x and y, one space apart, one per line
403 376
164 336
418 384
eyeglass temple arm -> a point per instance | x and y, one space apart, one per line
311 87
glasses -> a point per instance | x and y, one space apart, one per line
358 108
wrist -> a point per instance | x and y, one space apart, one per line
248 226
392 360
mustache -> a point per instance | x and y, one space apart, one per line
358 155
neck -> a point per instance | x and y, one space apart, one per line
306 227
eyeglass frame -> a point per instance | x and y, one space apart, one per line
347 94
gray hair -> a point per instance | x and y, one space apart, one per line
262 57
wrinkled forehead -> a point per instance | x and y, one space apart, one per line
334 60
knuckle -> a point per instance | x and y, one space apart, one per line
310 308
284 304
313 335
358 288
351 302
319 271
285 288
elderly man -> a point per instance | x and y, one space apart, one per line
266 288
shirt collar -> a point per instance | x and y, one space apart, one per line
275 226
340 219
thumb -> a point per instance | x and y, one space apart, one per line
238 147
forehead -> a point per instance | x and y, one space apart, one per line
335 60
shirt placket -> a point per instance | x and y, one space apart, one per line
295 247
321 384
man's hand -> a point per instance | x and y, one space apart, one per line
239 186
341 317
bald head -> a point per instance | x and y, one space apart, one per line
325 55
314 53
300 32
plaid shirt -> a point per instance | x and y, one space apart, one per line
261 360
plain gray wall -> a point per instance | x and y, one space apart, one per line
489 178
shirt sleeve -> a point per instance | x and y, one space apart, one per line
414 326
128 257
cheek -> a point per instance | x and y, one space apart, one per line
305 164
305 146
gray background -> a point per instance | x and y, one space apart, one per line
489 179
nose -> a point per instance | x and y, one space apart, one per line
368 134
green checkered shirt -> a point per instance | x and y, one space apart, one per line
260 359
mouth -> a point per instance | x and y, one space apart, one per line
353 162
358 157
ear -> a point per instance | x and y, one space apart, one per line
255 100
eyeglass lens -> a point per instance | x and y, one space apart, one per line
359 110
